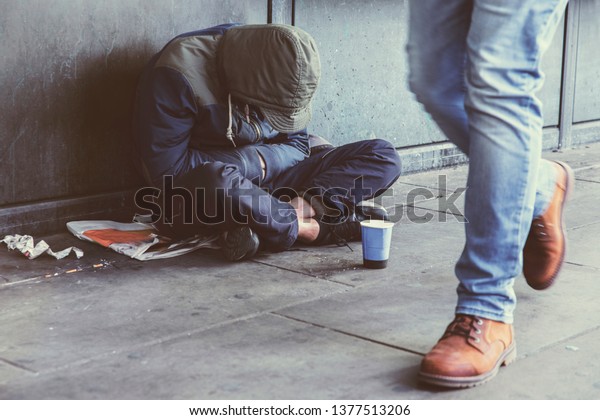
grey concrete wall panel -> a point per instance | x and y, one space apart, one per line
281 11
68 70
587 82
363 92
67 74
552 68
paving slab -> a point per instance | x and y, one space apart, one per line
411 311
267 357
577 157
581 210
14 267
10 374
390 312
73 318
270 357
590 174
448 179
344 265
569 370
401 193
414 189
309 323
583 246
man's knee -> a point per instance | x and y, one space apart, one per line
429 95
388 155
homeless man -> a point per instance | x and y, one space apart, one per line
224 111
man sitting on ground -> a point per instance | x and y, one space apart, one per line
223 111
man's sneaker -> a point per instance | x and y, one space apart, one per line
239 243
370 211
349 229
340 233
469 353
544 250
365 210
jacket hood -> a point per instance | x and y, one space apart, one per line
274 67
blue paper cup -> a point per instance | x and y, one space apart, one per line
376 240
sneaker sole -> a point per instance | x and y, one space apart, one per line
505 359
568 191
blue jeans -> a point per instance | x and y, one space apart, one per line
475 66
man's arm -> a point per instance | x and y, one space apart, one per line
287 151
165 115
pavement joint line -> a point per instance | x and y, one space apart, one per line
349 334
582 265
177 336
286 269
403 204
17 365
591 181
582 226
559 342
412 184
585 168
47 277
10 283
429 187
437 211
303 273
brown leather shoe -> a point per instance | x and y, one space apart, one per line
469 353
544 250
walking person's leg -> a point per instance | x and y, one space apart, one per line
505 45
502 44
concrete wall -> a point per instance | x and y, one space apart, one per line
67 74
587 81
364 90
68 71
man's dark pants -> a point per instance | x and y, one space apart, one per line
223 197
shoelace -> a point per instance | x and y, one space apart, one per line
463 326
229 132
341 232
339 241
539 229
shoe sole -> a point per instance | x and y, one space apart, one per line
241 245
570 185
505 359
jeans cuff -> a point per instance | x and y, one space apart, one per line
506 318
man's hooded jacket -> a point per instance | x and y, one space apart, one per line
224 89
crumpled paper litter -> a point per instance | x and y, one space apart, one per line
25 244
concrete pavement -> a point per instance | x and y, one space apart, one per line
309 323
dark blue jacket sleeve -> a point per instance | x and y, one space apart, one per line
287 151
166 113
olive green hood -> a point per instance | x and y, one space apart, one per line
274 67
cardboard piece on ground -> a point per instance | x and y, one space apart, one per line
137 240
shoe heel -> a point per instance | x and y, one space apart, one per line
510 357
570 179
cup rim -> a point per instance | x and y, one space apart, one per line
377 224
